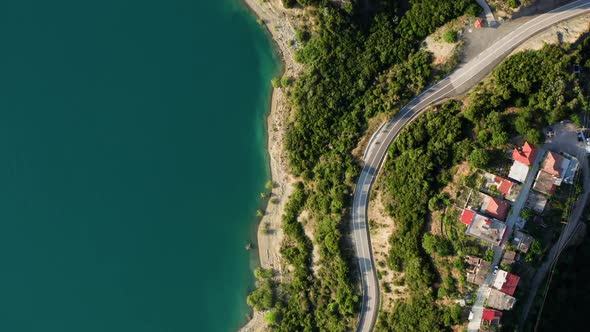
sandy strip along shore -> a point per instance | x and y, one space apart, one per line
278 22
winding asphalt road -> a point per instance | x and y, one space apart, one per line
461 80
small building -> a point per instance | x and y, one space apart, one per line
536 201
522 241
477 269
498 300
494 207
555 169
545 184
478 23
498 186
491 317
523 158
525 154
509 258
483 228
505 282
467 216
555 165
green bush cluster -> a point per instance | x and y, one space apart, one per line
348 68
431 145
541 84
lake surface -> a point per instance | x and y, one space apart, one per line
132 146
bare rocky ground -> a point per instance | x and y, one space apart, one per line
478 40
382 226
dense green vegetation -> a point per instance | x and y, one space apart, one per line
354 70
540 84
262 298
432 144
438 140
348 72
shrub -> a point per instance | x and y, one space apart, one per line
450 36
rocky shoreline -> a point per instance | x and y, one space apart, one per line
277 21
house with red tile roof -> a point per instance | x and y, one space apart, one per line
552 173
552 164
491 317
467 216
526 154
523 158
505 282
499 186
478 23
494 207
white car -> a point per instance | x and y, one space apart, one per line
495 270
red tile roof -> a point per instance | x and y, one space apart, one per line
504 185
553 164
497 208
525 155
478 23
490 314
509 286
467 216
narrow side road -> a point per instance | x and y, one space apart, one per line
461 80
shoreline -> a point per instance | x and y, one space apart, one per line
269 234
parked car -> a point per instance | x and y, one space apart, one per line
495 270
580 137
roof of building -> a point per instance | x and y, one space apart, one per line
518 171
552 164
522 241
544 183
509 286
478 23
491 315
487 229
504 185
496 208
499 186
467 216
525 155
499 300
509 257
536 201
477 269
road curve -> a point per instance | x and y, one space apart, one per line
462 79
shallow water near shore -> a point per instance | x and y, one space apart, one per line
133 148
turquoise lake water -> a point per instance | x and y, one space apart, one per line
132 148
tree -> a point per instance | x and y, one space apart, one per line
275 83
527 214
513 3
288 3
429 243
479 158
450 36
286 81
262 297
534 252
534 136
272 318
